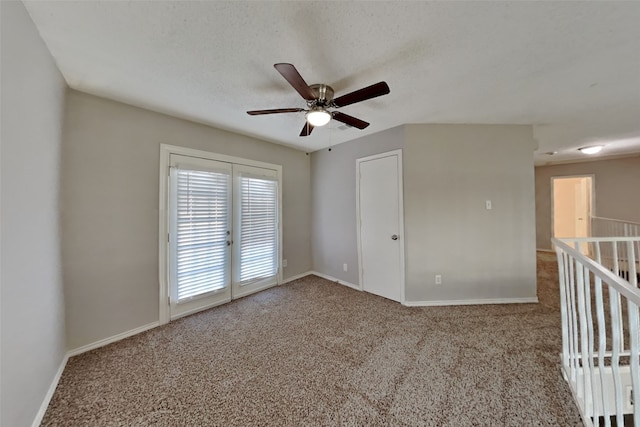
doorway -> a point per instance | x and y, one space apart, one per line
380 224
220 216
571 206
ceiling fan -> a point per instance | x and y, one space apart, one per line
320 99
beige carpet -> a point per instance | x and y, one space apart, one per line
316 353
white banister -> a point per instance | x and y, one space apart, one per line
602 372
601 226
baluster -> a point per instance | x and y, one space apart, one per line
631 260
574 321
590 341
564 313
602 341
633 331
614 302
635 381
584 343
616 271
636 256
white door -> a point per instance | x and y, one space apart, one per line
220 247
199 235
380 221
583 207
571 206
255 231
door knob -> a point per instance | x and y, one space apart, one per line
394 237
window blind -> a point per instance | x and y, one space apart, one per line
258 228
202 225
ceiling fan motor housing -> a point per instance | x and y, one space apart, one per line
324 95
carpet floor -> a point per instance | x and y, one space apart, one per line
313 352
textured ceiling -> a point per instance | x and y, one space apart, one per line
572 69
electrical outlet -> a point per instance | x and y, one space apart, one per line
344 267
488 204
284 262
438 279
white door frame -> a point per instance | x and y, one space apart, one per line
592 208
164 314
397 153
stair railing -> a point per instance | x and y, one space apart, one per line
609 227
600 330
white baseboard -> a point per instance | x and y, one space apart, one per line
52 389
112 339
531 300
56 379
101 343
296 277
333 279
546 250
127 334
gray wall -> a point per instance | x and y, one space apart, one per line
449 172
333 178
617 191
33 343
110 202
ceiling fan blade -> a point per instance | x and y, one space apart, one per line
294 78
363 94
306 130
275 111
350 120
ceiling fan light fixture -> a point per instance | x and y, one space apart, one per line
319 98
591 149
318 117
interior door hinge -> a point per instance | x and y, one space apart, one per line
168 237
168 300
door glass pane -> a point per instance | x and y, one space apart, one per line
202 225
258 228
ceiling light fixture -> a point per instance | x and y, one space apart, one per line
318 117
592 149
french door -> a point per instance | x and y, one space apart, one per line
255 231
223 232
